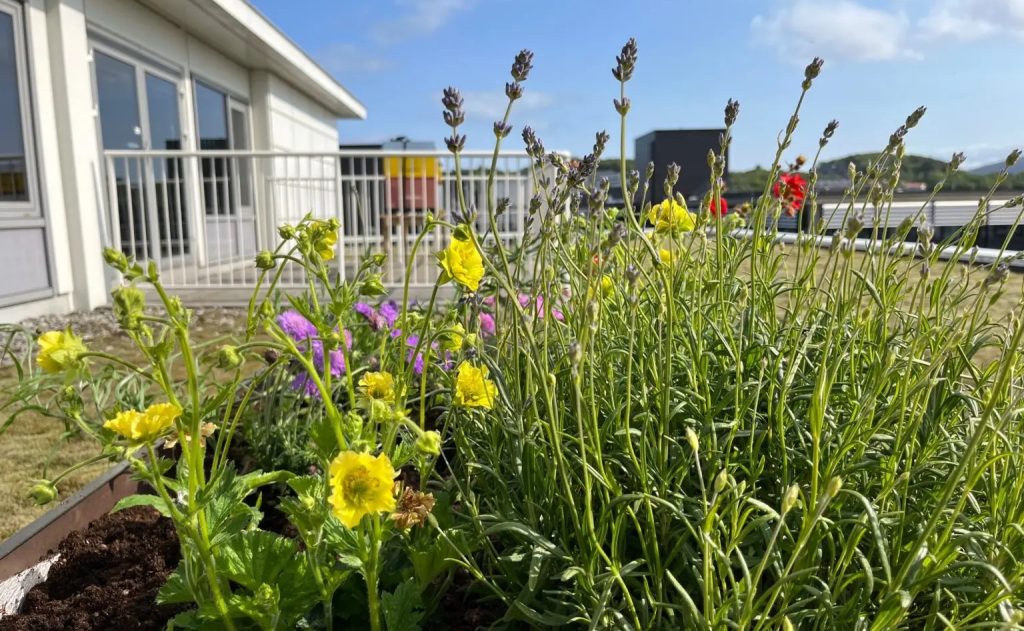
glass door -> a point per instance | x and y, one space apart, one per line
139 110
227 190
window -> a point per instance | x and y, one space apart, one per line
24 249
14 161
222 123
139 109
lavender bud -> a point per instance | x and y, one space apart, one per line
513 91
522 65
915 117
957 159
732 110
634 181
1012 158
650 172
501 129
534 147
625 61
811 72
455 143
452 100
671 175
622 107
600 140
453 120
830 130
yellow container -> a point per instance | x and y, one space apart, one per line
423 167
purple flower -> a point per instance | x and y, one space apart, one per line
390 312
296 325
335 363
524 300
383 317
417 364
487 327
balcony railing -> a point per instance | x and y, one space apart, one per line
202 216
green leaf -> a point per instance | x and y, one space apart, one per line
176 589
142 500
403 609
274 571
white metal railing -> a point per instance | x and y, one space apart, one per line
939 213
203 215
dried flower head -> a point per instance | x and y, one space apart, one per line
412 509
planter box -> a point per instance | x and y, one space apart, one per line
26 557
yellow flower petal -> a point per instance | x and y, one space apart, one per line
361 484
462 261
378 385
59 351
472 387
144 426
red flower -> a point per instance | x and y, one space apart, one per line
715 210
791 189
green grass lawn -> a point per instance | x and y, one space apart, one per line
29 443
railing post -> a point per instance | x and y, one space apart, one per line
339 213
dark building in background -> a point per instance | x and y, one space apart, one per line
686 147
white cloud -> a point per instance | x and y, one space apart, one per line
841 29
973 19
344 60
491 104
419 17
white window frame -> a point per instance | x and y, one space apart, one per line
33 207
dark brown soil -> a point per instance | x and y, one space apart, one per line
107 578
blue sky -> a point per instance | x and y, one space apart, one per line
960 58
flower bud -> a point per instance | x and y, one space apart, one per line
228 357
721 481
116 259
128 307
43 492
352 424
691 437
834 485
790 499
265 260
372 286
286 231
429 443
380 411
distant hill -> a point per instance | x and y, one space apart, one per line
833 175
996 167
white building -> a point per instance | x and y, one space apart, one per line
81 78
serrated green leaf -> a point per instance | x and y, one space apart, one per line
142 500
403 609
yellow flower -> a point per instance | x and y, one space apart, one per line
462 261
472 387
607 288
323 237
378 385
666 256
59 350
144 426
361 485
453 340
671 216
